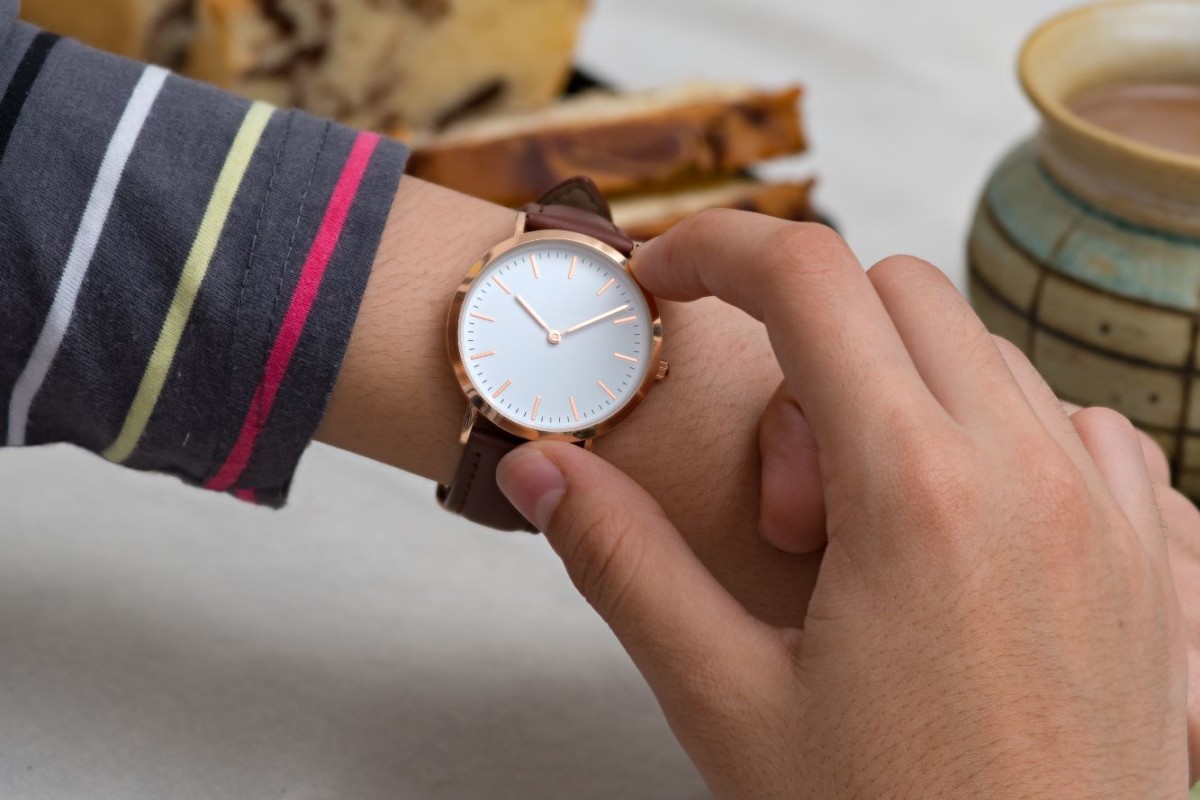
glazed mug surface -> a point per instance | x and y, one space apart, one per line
1085 250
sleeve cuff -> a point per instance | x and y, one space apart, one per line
188 269
315 241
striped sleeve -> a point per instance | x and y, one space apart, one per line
180 269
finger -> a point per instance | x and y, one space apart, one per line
1157 463
1194 717
792 502
840 353
677 623
1158 469
1116 450
1053 413
1182 521
1156 460
951 348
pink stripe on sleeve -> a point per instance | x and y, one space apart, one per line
297 312
247 496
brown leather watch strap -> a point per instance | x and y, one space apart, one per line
579 206
580 192
474 493
576 205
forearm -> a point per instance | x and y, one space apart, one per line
692 443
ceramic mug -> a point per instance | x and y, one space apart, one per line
1085 251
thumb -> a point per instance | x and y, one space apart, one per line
791 506
677 623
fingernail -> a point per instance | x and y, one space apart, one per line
532 483
639 255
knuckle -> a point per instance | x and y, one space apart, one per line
908 277
1012 354
940 492
1019 365
1157 461
704 224
1058 502
805 243
1103 423
903 280
800 253
908 269
950 488
712 218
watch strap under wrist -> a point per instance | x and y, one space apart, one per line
474 493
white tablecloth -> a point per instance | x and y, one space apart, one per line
157 641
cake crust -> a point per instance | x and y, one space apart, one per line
624 143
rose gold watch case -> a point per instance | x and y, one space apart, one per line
480 405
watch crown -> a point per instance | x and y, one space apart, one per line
664 369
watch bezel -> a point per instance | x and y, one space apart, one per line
481 403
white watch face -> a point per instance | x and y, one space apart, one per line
556 336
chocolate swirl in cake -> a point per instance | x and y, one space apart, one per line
301 49
170 33
390 65
429 10
486 96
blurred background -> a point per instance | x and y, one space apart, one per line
157 640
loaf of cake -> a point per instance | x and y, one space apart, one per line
644 216
624 142
399 64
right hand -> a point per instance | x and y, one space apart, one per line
994 614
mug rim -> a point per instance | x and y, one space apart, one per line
1055 111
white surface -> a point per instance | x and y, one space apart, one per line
156 641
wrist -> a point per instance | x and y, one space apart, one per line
396 400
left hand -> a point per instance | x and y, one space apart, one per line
692 444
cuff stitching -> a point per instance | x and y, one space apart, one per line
239 306
274 316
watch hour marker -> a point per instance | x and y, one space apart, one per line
625 320
478 356
574 409
496 280
574 263
533 260
606 286
624 357
607 390
537 402
483 317
500 391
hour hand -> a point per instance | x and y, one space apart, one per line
552 335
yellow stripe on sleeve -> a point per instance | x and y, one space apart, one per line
194 270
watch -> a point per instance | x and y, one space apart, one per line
551 338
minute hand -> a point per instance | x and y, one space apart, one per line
594 320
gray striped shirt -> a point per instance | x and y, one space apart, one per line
179 268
